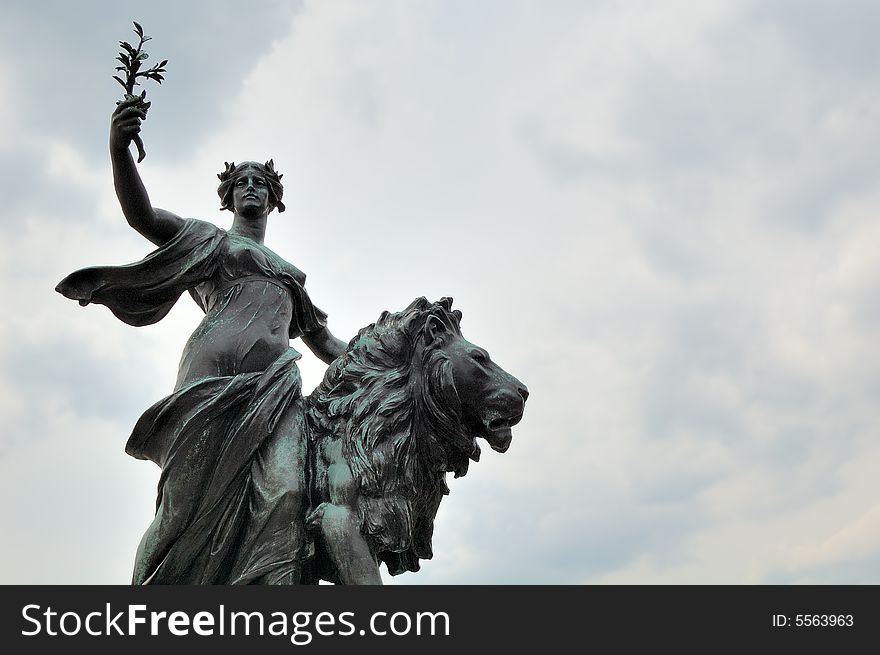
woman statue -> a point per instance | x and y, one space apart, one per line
230 438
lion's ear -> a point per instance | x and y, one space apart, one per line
435 329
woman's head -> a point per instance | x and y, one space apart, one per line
234 173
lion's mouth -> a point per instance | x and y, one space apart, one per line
499 434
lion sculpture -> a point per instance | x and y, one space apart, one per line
400 409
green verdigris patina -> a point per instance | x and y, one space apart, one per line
400 409
260 484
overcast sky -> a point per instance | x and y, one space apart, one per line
661 216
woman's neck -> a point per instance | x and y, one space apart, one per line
253 228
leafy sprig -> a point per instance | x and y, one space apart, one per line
132 59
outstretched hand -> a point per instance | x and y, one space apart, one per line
125 125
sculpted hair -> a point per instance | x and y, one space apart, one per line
392 402
231 174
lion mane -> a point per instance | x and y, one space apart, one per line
391 402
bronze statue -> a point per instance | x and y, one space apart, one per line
259 484
401 408
230 438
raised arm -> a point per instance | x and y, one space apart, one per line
325 346
157 225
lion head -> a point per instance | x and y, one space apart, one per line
408 401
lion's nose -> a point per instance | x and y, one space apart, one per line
523 392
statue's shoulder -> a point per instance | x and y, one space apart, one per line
197 225
295 273
196 233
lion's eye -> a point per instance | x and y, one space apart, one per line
479 357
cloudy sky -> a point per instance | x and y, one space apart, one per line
661 216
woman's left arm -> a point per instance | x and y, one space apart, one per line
325 346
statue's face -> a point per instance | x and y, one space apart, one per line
250 193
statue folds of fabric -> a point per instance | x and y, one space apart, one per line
259 484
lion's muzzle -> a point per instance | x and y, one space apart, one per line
507 409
